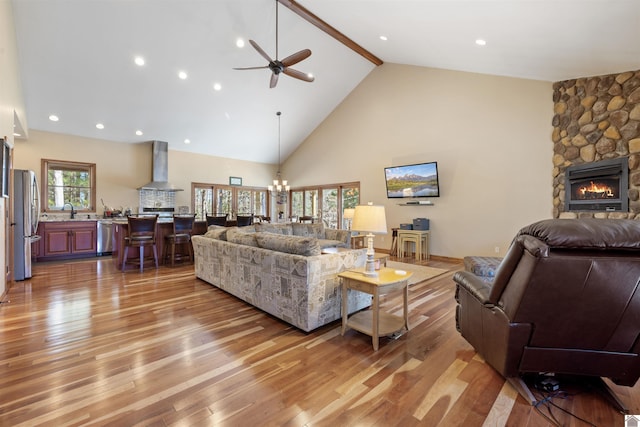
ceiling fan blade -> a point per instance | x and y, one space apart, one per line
274 80
252 68
296 57
260 51
298 74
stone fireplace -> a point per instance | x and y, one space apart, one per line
598 186
596 127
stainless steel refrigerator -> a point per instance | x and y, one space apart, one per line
26 214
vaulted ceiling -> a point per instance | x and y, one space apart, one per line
77 60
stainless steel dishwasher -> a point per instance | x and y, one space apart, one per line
105 237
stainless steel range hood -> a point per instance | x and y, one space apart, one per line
160 166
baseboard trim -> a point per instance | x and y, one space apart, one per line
431 256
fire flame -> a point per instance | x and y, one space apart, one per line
599 191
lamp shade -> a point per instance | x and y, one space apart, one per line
370 219
348 213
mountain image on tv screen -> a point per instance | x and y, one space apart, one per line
420 180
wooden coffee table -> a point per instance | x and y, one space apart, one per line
372 322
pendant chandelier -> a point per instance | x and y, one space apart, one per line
280 187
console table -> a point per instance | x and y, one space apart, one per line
372 322
420 239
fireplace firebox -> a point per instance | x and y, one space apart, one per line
598 186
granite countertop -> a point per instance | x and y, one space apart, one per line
67 219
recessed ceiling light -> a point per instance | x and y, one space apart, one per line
139 60
139 132
481 42
16 134
182 75
217 86
384 38
53 118
99 125
186 141
240 42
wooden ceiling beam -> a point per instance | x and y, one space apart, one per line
315 20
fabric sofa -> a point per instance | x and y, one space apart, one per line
565 300
285 275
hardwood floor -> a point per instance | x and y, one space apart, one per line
84 344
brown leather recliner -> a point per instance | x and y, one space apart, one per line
565 300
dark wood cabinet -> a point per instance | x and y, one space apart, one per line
66 239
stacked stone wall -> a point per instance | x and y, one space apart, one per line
596 118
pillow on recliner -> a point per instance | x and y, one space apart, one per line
298 245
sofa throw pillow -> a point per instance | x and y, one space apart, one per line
298 245
309 230
284 229
216 232
235 235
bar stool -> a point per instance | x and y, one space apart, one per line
216 220
306 219
182 230
142 233
244 220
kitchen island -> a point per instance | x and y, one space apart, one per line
164 228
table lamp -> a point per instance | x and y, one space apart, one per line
370 219
348 215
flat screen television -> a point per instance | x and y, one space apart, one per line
412 181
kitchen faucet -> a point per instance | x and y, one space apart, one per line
73 212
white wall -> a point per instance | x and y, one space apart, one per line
490 136
121 168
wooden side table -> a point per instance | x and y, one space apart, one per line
420 238
372 322
357 241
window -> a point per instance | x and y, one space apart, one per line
297 206
325 203
219 199
350 199
66 182
330 207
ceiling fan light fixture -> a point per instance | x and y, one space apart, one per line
278 66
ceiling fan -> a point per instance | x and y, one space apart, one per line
281 66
